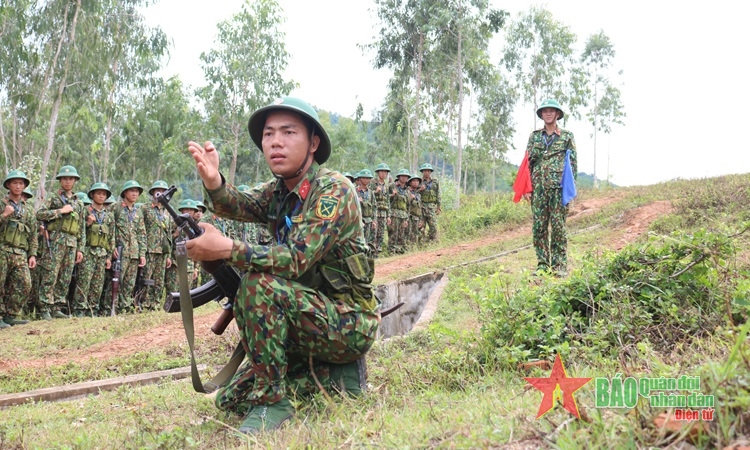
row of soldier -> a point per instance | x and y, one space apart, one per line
406 207
91 234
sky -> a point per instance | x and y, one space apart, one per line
683 74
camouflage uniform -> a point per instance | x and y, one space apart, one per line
399 219
130 232
67 237
414 206
19 243
158 225
431 200
546 162
308 294
100 242
380 189
367 205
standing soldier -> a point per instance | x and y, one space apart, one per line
399 213
30 303
100 242
380 188
547 149
158 225
18 249
65 216
367 205
414 206
131 234
431 200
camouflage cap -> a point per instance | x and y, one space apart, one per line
16 174
550 103
67 171
99 187
258 121
129 185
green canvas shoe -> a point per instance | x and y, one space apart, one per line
10 320
350 378
267 417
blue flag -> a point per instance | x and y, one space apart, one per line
568 182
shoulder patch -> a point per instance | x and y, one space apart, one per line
328 206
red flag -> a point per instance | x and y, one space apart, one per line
522 185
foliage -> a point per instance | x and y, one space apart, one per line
478 212
668 290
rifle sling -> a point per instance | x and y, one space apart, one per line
186 311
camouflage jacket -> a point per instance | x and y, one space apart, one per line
380 190
547 157
400 202
130 231
100 235
65 229
317 225
158 224
23 221
414 203
227 227
430 192
367 204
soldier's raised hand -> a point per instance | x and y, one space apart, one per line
66 209
9 210
207 162
90 219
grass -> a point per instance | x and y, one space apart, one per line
435 388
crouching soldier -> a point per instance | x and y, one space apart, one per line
18 249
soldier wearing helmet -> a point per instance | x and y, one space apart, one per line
315 273
18 249
429 190
100 243
399 213
65 215
158 226
547 150
130 233
381 187
367 206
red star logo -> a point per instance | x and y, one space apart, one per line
558 381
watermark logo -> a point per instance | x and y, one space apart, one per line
682 393
558 388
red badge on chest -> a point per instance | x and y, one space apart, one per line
304 189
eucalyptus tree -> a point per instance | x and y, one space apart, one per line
244 72
539 55
606 106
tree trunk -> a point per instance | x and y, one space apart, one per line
417 101
108 132
2 138
235 152
459 147
58 99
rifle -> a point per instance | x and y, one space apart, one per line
45 232
225 280
116 269
141 284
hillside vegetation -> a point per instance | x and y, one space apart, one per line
663 295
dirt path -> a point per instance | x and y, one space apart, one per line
633 223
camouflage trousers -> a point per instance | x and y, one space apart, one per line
369 232
90 283
56 274
156 264
548 229
171 283
15 282
430 221
412 232
397 234
381 217
282 324
128 274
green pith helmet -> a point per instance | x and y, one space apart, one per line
83 197
382 166
243 188
187 204
67 171
129 185
109 200
258 121
13 174
99 187
158 184
27 192
350 176
403 172
550 103
201 207
414 177
426 166
364 173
